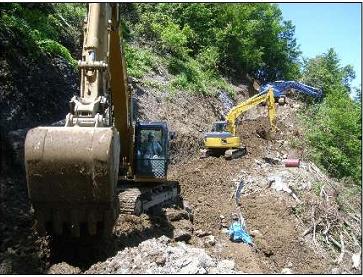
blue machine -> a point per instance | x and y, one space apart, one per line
280 88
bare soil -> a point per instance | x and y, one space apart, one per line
208 184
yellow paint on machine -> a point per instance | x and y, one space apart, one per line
222 143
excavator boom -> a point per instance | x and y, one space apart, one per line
241 108
280 87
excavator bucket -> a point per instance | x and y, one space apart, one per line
72 176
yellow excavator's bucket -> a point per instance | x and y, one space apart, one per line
72 175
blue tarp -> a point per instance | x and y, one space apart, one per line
238 234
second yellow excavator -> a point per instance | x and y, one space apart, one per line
223 138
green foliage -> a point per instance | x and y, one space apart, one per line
192 75
174 39
43 27
139 61
334 125
347 198
73 14
54 48
317 188
229 38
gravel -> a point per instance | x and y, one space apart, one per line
161 256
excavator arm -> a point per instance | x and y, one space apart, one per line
223 136
236 111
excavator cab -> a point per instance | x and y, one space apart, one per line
151 150
219 126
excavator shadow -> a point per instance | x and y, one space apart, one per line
129 231
227 154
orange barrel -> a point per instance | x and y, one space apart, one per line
292 162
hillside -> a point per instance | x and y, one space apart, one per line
318 231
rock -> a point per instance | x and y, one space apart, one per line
224 225
155 256
226 266
282 100
164 239
187 207
256 233
223 222
201 233
210 240
63 268
160 260
182 235
6 267
224 231
356 260
296 106
277 184
286 271
335 270
175 215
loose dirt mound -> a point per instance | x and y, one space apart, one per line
21 250
158 256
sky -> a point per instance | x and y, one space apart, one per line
320 26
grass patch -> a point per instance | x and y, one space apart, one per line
190 75
317 188
139 61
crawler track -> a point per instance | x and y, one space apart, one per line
138 200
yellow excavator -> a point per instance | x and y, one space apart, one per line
223 138
102 162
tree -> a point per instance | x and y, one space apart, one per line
335 126
247 38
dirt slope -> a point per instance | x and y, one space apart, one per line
209 185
